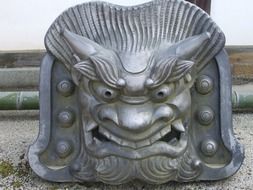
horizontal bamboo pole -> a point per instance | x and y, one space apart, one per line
26 100
242 100
19 70
29 100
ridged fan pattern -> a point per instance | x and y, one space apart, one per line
136 28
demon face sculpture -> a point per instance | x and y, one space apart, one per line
124 106
129 102
135 107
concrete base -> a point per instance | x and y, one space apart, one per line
19 130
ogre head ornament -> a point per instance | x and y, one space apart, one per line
131 111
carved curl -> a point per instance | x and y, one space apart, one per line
128 29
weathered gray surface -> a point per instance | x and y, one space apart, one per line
17 133
132 112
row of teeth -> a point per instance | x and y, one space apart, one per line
177 125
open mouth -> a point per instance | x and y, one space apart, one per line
170 141
167 134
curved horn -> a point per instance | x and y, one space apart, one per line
82 46
186 48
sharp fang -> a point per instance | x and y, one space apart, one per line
165 130
104 132
173 141
91 125
97 141
188 77
178 125
88 138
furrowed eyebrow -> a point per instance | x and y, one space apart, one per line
102 68
106 71
161 70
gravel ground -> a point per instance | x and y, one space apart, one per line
18 131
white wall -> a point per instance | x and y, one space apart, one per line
235 17
24 23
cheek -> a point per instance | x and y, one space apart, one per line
87 101
85 97
182 101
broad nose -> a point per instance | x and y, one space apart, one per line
137 118
129 117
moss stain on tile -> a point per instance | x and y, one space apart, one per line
16 184
6 168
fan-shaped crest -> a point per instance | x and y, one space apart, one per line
135 28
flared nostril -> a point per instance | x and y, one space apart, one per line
164 113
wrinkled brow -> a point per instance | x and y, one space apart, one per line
161 69
168 69
100 67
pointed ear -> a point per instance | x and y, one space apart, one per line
81 46
180 69
92 60
185 50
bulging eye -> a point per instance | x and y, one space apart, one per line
108 94
163 92
104 92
